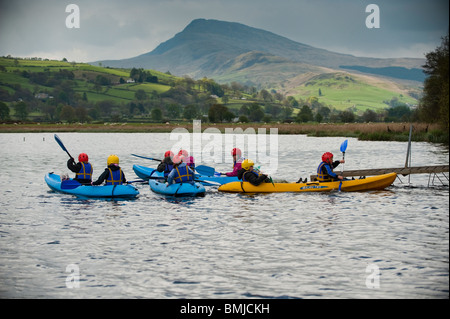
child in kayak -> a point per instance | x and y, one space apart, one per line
181 173
325 170
237 162
248 174
83 169
113 174
188 160
166 164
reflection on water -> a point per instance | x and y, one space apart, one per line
312 245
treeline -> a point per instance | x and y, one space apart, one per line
189 99
434 107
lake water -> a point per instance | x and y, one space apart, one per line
381 244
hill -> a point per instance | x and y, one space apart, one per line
217 49
350 91
54 91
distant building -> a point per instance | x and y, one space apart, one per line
41 96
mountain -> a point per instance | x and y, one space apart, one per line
228 50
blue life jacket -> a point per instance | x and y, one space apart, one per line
115 177
322 174
168 169
182 175
85 172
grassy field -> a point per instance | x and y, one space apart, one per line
345 91
84 74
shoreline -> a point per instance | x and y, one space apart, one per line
364 131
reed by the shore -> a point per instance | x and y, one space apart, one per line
364 131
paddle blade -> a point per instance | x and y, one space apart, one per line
205 170
70 184
58 140
344 146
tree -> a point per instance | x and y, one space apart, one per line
325 112
219 113
305 114
140 95
399 113
67 113
256 113
173 110
4 111
434 106
265 95
21 111
191 112
156 114
369 116
81 114
347 116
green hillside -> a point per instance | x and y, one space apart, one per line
58 91
344 90
17 72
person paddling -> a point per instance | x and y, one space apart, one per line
237 162
83 169
188 160
166 164
248 174
113 174
181 173
325 170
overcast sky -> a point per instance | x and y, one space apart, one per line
111 29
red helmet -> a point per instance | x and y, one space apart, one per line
326 157
184 153
236 151
83 157
168 153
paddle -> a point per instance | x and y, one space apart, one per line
343 149
205 170
58 140
149 158
137 181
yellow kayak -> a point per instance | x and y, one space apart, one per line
357 185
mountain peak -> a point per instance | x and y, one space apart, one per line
209 47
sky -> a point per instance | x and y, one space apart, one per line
112 29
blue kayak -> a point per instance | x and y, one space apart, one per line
73 187
147 172
178 189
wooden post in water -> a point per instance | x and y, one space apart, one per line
408 152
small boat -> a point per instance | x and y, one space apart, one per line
178 189
147 172
357 185
73 187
